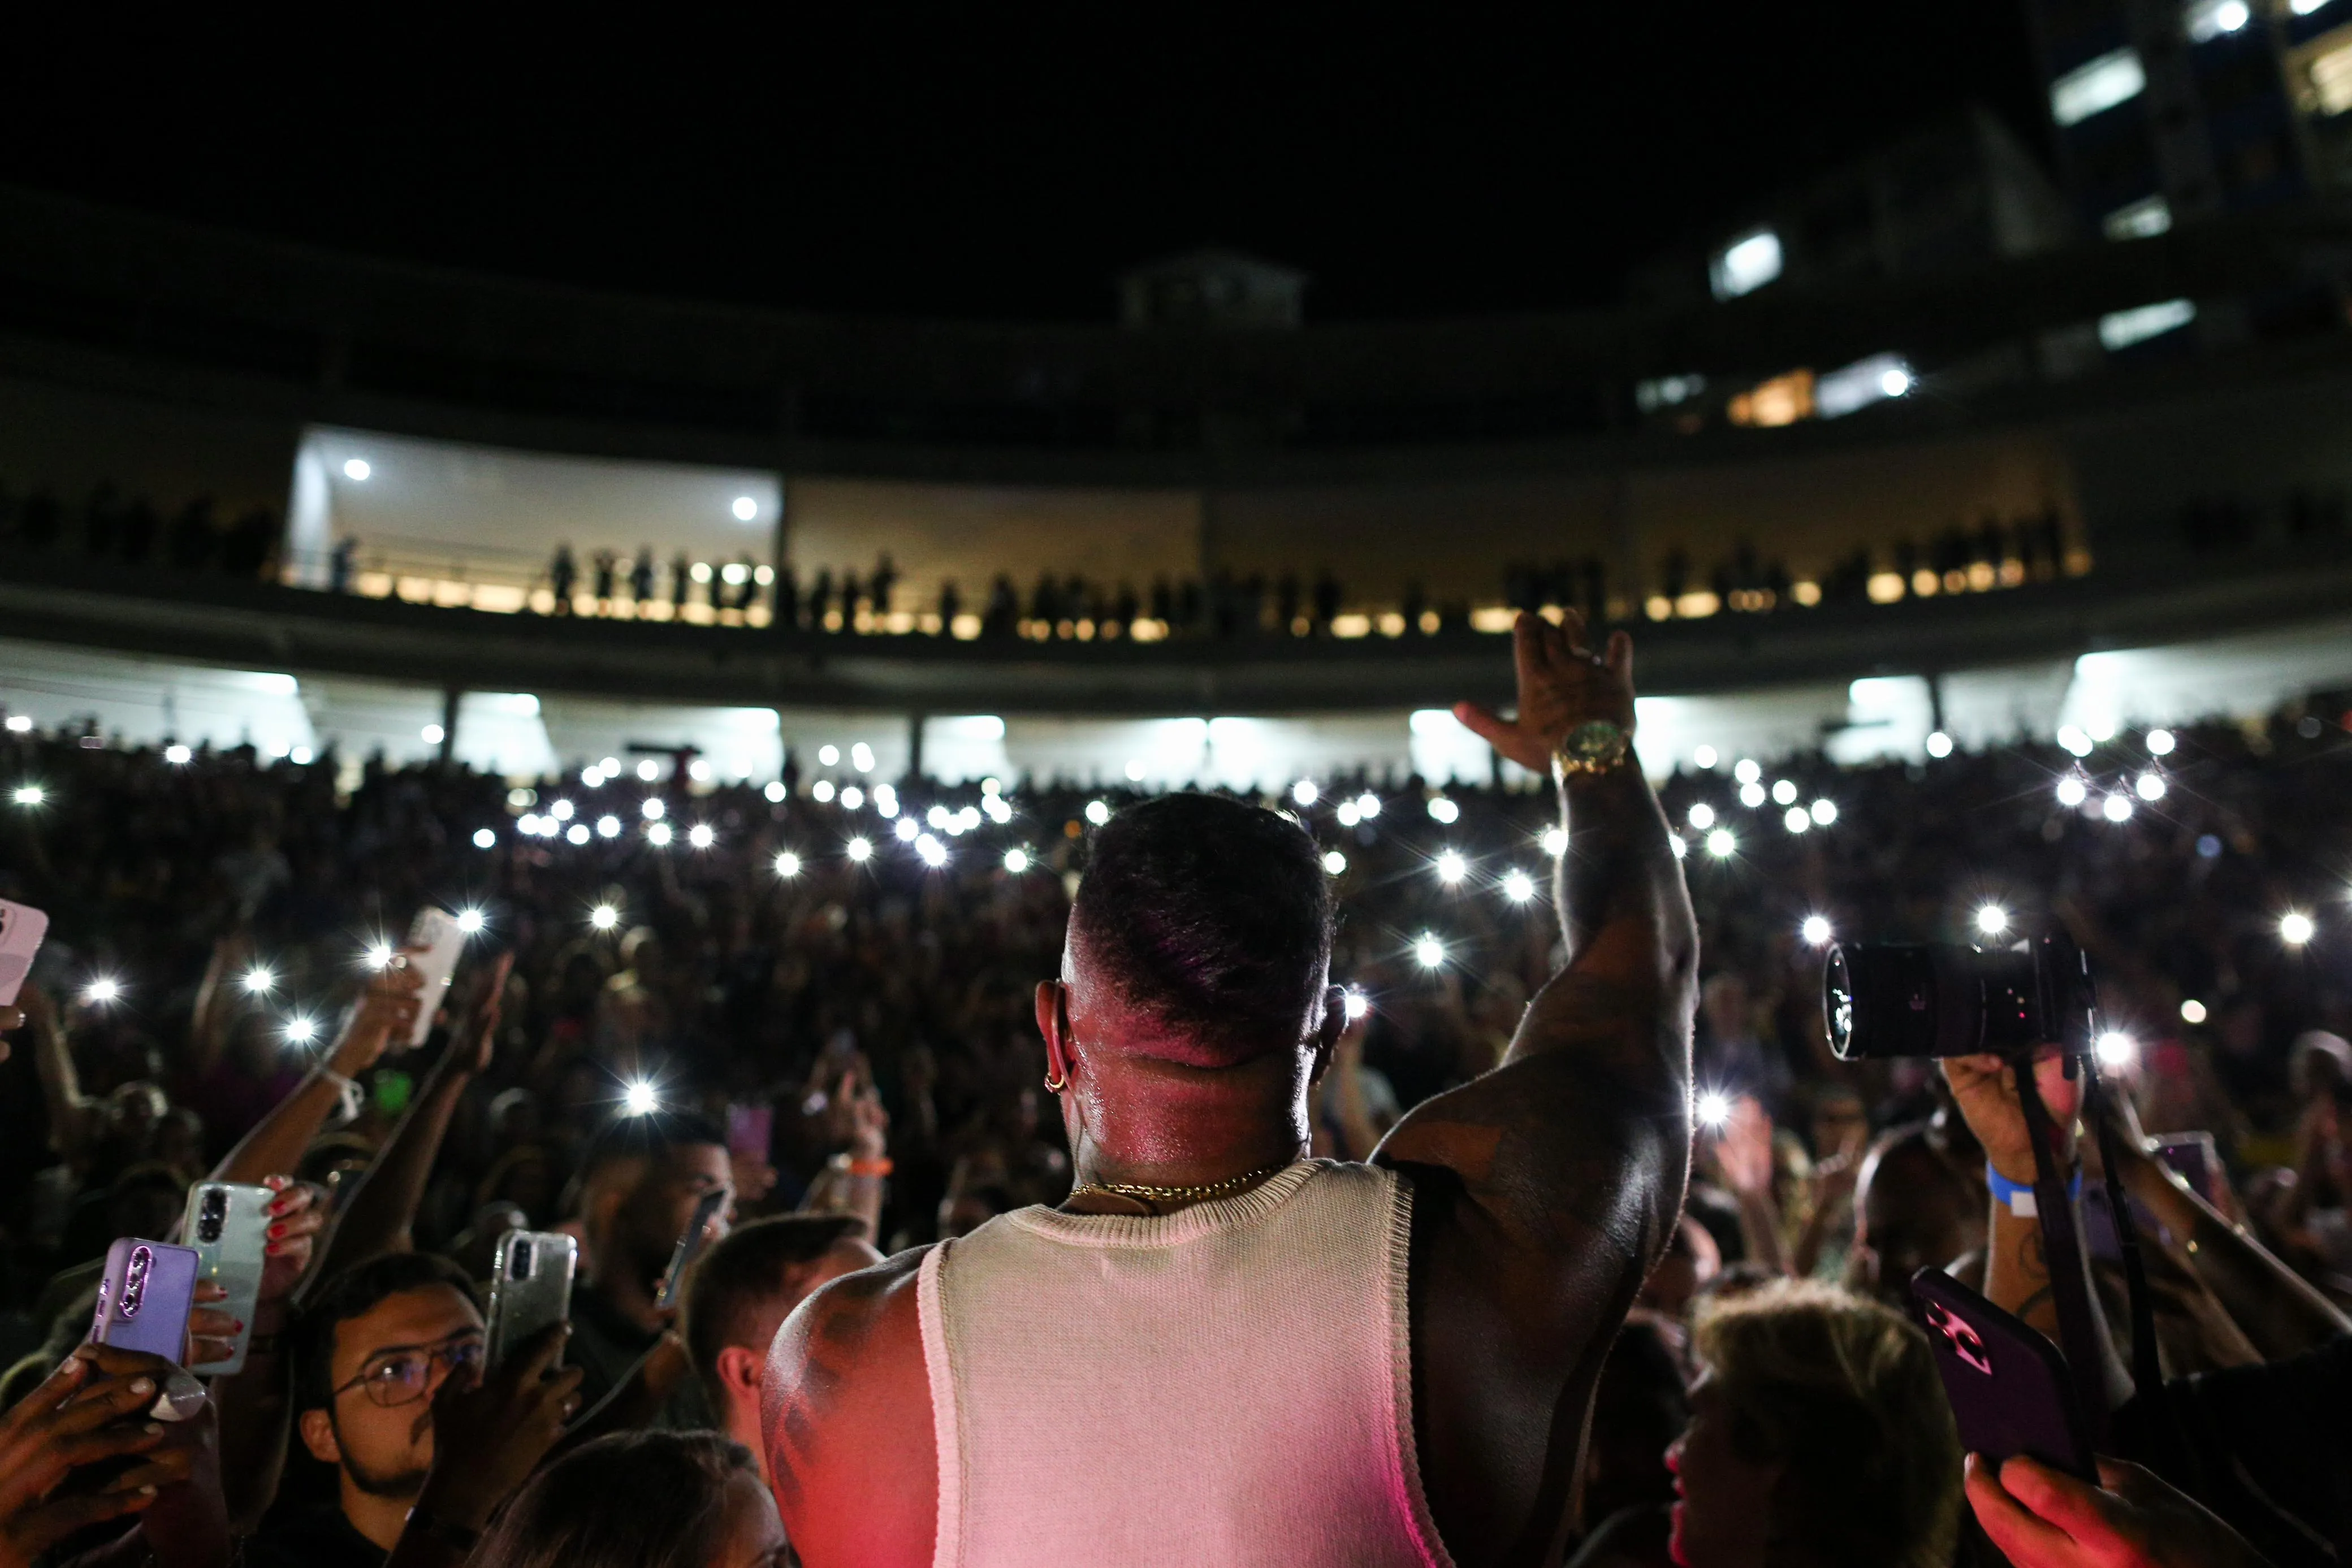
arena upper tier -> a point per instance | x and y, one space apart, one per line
1933 477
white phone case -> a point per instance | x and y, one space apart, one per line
437 932
22 926
227 1223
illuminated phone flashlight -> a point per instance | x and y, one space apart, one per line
639 1099
2116 1049
469 921
1713 1110
1355 1004
1430 951
603 918
1816 931
1991 919
258 979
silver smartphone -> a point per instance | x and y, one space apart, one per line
530 1287
437 932
22 926
705 1227
144 1296
227 1223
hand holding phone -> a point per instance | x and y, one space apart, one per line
22 926
77 1451
2009 1387
227 1223
530 1289
143 1298
436 940
706 1227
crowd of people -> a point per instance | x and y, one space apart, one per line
1073 607
109 525
800 1009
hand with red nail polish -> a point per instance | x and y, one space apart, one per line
290 1239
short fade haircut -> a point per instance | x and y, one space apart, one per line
355 1292
1213 918
648 1136
1843 1393
732 1285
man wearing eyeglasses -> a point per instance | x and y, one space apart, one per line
375 1349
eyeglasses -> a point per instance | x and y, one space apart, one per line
401 1376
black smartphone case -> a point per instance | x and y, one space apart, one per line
2008 1386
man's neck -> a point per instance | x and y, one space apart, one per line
1174 1183
380 1519
743 1426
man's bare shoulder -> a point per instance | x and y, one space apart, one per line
845 1411
840 1323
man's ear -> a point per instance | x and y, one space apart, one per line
318 1429
1327 1031
739 1372
1054 1027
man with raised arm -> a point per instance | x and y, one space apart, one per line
1217 1350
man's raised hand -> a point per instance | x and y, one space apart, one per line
1562 683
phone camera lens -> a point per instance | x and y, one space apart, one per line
518 1261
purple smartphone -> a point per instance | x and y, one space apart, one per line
144 1296
2196 1159
2007 1384
750 1130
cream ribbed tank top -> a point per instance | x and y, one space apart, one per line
1228 1384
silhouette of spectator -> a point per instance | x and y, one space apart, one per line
885 579
101 521
135 539
604 580
641 575
193 535
1004 609
562 575
951 605
339 565
246 549
681 581
787 606
1192 605
41 521
820 597
1327 599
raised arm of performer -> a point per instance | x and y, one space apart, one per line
1191 1020
1546 1189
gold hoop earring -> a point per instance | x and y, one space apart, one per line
1056 1086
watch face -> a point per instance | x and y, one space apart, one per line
1590 741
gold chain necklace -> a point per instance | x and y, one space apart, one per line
1141 1192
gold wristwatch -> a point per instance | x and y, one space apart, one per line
1596 746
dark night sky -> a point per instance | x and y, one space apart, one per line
1008 161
